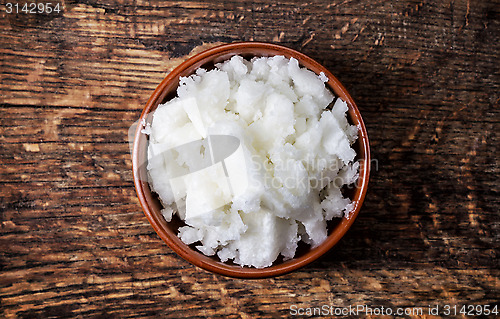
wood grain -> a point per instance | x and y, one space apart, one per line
75 243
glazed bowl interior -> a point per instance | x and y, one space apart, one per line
168 230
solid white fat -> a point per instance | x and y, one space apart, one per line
282 181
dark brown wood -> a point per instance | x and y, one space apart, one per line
75 243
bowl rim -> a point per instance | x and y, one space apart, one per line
197 258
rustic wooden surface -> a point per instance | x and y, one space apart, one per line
74 241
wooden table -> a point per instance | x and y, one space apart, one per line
75 243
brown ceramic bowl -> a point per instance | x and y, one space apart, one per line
168 230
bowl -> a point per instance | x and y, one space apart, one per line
151 205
